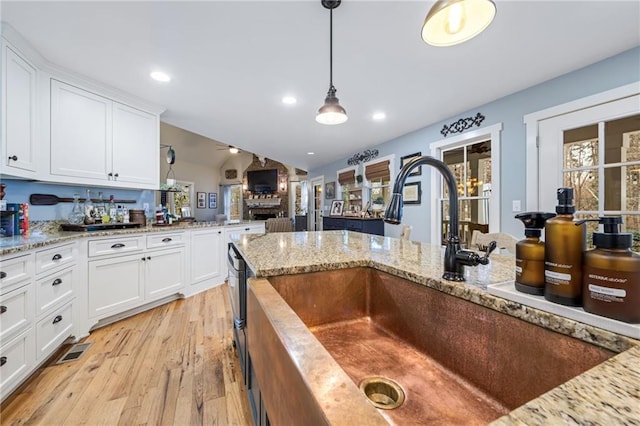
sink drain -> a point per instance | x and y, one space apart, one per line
382 392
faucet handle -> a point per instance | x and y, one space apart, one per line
490 248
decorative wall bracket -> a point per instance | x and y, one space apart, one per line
462 124
363 157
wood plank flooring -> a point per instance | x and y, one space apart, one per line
172 365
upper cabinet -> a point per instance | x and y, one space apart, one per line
18 114
61 127
100 141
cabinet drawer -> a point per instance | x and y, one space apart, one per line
53 329
54 290
54 258
16 358
116 246
165 240
14 271
16 312
353 225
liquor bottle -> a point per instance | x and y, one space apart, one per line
112 210
101 209
89 210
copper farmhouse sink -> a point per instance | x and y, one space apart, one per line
448 360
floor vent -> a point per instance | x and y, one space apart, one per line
74 353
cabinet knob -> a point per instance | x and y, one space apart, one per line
56 282
13 157
148 257
166 240
56 257
57 319
3 360
119 245
3 309
3 274
110 174
143 259
115 175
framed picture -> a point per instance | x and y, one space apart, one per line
336 207
412 193
330 190
213 200
202 200
404 160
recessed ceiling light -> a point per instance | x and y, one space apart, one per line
310 153
289 100
379 116
160 76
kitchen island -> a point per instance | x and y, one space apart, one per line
606 394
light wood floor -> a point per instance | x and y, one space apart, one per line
174 364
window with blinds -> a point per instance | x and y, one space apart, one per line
347 178
379 176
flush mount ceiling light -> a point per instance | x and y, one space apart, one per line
233 150
331 112
289 100
451 22
160 76
378 116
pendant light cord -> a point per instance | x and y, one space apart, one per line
331 48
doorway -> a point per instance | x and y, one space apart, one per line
316 204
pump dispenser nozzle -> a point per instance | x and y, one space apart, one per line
611 238
530 253
565 201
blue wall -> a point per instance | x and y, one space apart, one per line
18 191
610 73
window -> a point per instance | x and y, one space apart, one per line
593 146
379 176
350 191
471 166
473 158
233 202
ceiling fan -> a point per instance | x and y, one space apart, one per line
232 149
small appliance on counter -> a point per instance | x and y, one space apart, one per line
611 273
530 253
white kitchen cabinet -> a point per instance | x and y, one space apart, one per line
98 141
120 280
164 272
17 358
115 284
205 255
19 80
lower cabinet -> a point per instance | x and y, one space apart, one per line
205 255
120 283
115 285
367 226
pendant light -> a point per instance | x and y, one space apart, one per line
451 22
331 112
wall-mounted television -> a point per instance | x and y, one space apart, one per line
263 181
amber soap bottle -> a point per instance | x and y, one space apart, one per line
563 248
611 274
530 253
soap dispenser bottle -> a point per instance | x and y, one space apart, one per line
563 248
530 253
611 274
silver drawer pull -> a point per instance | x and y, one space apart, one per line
3 275
119 245
57 319
3 309
166 240
57 281
56 257
3 360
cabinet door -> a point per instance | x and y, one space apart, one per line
136 146
18 115
205 255
164 273
115 285
80 133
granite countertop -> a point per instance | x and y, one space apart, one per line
606 394
48 232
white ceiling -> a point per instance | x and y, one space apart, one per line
232 61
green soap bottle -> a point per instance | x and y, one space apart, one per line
563 248
530 253
611 274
